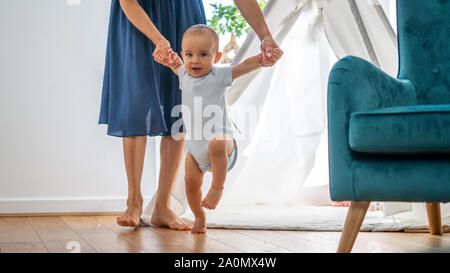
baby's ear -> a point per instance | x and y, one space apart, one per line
218 57
181 53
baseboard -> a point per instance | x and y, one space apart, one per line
72 206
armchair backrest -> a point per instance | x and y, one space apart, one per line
424 48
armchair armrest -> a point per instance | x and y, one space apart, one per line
356 85
363 87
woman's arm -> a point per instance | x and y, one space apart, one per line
139 18
252 13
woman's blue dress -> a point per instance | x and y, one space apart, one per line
138 93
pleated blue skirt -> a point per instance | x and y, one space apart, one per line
138 94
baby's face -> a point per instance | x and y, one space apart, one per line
199 55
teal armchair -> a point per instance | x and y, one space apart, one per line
389 138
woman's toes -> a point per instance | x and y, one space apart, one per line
182 226
122 221
185 226
172 222
132 222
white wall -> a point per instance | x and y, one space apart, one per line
54 156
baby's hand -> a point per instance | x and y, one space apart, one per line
165 56
173 57
276 52
163 52
176 61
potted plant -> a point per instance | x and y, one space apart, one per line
228 19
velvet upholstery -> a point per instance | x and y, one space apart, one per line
401 129
359 91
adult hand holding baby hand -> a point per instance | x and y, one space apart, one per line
164 54
271 52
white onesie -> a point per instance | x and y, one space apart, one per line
204 112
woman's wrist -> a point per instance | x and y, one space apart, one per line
267 37
161 41
265 34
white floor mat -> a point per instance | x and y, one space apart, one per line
306 218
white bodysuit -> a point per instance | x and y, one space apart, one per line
204 112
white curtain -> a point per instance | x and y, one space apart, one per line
281 111
278 154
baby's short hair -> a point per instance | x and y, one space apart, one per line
202 29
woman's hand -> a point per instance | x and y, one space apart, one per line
252 13
271 52
164 54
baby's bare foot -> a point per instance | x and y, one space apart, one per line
212 198
199 225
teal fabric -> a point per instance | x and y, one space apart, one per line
424 48
397 178
356 85
401 130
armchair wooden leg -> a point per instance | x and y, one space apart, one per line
434 218
353 222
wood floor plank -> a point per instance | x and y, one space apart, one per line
22 248
366 242
243 242
99 236
306 243
328 241
57 236
444 246
196 243
404 242
17 230
148 241
102 234
318 241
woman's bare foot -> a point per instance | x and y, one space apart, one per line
199 225
168 219
212 198
132 215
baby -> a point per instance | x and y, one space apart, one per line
203 91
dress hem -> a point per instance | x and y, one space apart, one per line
137 134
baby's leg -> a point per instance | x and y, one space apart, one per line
194 180
219 149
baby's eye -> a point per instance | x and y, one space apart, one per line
204 54
189 54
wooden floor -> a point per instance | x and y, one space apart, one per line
102 234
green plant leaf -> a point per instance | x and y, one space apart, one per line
228 19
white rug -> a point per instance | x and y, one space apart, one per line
305 218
